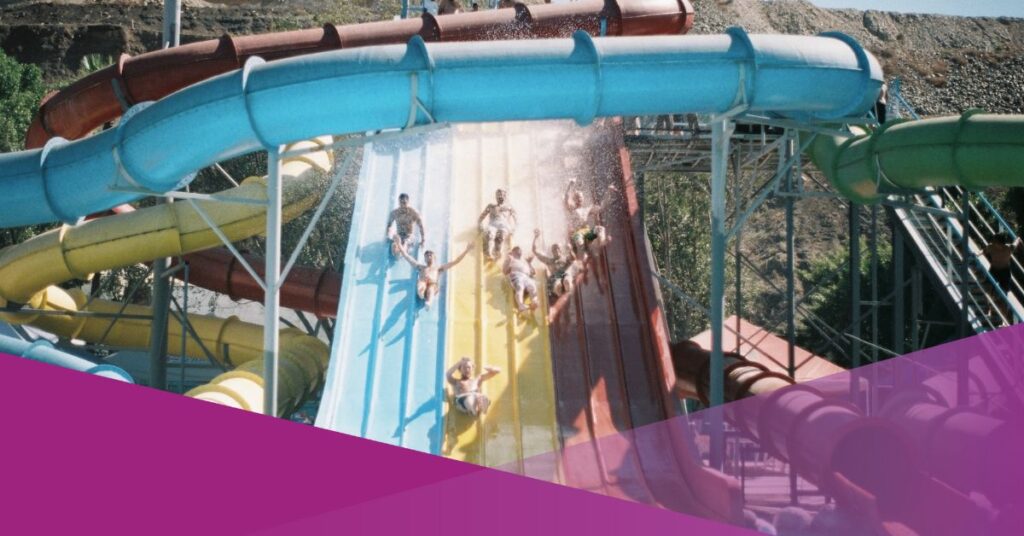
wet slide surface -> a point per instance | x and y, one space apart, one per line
483 324
384 380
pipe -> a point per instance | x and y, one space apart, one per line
28 271
42 350
81 107
231 342
264 105
975 150
307 289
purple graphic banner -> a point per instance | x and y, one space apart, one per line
930 443
86 455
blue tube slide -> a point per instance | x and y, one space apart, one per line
384 377
265 105
42 350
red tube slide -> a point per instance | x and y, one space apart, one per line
100 97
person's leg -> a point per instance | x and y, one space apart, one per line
489 246
567 283
431 292
531 287
482 403
516 281
421 289
499 238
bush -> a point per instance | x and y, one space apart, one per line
21 89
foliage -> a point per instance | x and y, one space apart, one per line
830 305
21 89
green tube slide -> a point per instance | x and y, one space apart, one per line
975 150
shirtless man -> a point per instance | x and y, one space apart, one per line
468 398
520 275
561 267
586 236
1000 256
501 223
427 284
403 218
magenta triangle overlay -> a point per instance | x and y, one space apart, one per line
83 454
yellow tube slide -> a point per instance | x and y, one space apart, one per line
28 271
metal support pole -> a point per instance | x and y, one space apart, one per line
898 306
916 307
854 223
172 23
158 329
873 246
272 269
737 170
790 297
161 284
962 371
721 130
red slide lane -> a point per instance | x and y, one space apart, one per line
612 369
97 98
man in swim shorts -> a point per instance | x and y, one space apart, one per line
520 275
403 219
586 235
501 223
561 267
468 398
428 282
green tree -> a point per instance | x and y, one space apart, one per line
21 89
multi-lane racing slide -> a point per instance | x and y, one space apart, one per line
580 78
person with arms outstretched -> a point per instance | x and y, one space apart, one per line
428 282
520 274
561 267
402 219
501 223
468 397
586 235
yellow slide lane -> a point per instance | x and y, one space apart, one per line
482 322
28 271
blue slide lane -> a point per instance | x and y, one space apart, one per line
384 380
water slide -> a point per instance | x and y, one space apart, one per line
975 150
102 96
43 350
30 271
581 78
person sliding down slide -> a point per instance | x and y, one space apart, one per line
561 267
501 223
428 283
403 218
468 398
520 275
586 235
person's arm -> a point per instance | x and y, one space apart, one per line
391 220
412 261
543 258
488 373
566 200
419 223
450 375
483 214
514 216
458 259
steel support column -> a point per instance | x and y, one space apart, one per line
898 335
721 130
790 293
854 213
172 23
962 372
272 291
